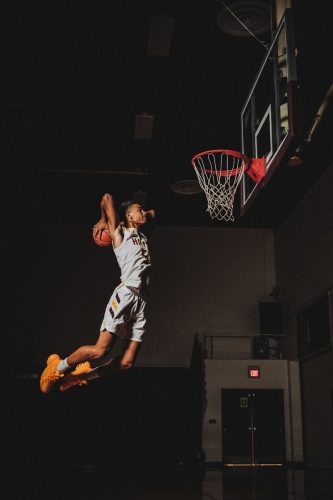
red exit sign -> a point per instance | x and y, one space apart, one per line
253 371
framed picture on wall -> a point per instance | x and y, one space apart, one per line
314 327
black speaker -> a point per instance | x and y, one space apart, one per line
259 348
270 318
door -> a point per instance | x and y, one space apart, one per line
253 426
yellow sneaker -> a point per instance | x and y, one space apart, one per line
50 375
76 377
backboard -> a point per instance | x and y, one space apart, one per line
269 124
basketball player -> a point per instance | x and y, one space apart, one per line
126 308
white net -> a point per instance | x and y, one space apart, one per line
219 175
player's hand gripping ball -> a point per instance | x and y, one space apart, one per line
105 239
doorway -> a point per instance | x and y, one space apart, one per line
253 427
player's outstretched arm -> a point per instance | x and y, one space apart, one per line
151 214
148 228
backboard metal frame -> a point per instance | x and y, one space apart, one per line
269 117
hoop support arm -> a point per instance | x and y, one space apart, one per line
256 169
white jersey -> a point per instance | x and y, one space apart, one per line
134 261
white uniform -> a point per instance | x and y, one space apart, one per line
124 313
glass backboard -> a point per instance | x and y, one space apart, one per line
268 117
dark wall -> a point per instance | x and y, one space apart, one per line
304 263
63 283
205 280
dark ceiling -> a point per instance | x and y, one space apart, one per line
79 73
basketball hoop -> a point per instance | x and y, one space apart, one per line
219 172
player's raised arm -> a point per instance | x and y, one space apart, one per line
109 213
109 217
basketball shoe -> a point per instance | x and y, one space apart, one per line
50 374
76 377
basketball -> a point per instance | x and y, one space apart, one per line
105 240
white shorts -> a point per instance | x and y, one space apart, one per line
125 314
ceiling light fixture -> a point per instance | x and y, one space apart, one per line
186 187
245 18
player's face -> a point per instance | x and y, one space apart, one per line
136 214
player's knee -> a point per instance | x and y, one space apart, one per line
100 352
126 364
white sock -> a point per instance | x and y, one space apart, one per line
62 366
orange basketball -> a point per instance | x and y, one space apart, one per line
105 240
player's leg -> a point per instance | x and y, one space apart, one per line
135 317
115 365
121 363
56 367
131 313
137 323
88 352
116 309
